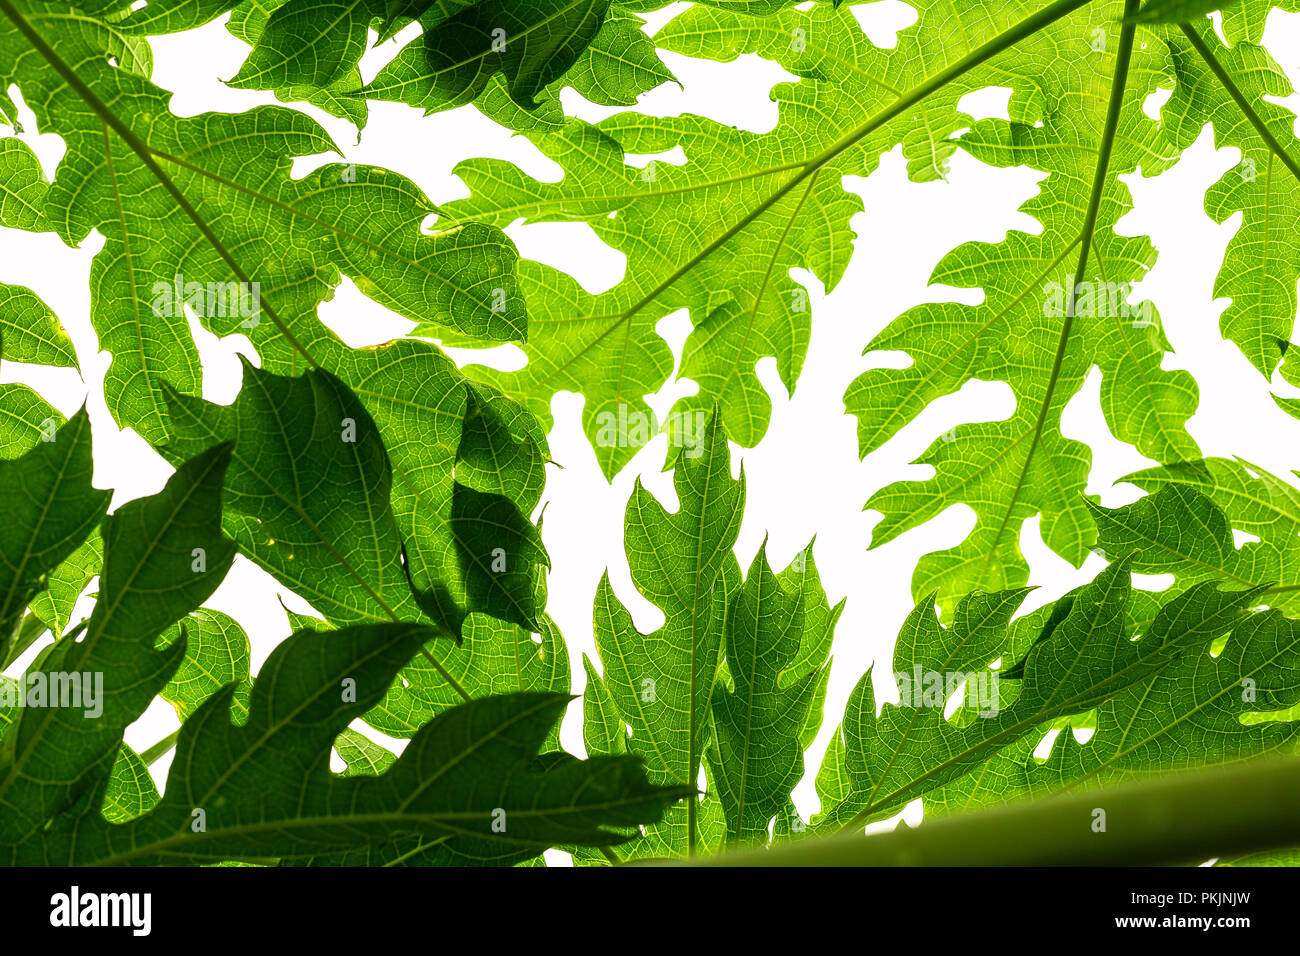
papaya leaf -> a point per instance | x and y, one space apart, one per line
1089 657
307 493
163 556
216 225
266 788
757 750
661 683
1191 510
216 655
51 507
22 190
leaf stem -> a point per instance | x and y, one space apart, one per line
998 44
1118 85
610 855
32 628
1239 97
1182 818
444 673
150 756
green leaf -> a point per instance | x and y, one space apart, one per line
661 683
494 658
817 639
308 497
305 43
225 231
1190 506
1202 710
502 449
362 755
603 730
163 556
396 494
116 42
64 585
1245 19
26 420
721 234
619 65
50 509
266 788
307 492
467 468
130 791
1195 713
1260 188
22 188
757 752
1179 531
530 43
30 332
158 16
1084 657
216 655
1176 526
511 59
605 346
1042 325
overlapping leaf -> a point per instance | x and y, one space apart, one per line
510 58
1237 703
163 556
661 684
1180 531
775 656
494 658
252 781
1201 711
383 485
201 214
1084 657
309 495
50 509
1184 526
737 673
470 778
676 225
29 333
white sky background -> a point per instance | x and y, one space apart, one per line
804 478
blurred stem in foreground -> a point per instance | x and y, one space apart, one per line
1183 818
